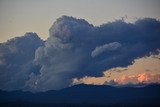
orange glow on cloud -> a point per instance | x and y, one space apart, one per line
140 78
143 70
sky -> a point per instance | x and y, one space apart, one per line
100 42
20 16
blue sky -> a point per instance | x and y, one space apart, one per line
20 16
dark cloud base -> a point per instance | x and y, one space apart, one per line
74 48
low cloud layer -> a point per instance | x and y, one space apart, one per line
75 49
143 70
140 78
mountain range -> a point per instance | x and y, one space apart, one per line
85 96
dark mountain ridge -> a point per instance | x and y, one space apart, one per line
82 95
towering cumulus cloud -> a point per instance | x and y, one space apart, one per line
63 55
16 56
75 49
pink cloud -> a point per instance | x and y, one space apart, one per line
140 78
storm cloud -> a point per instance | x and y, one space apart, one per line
16 56
75 49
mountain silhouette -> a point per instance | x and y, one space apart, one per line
85 96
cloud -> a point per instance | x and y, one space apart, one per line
106 47
75 49
89 80
140 78
137 73
67 52
16 56
149 78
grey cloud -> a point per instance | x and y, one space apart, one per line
16 56
69 50
106 47
111 82
61 56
